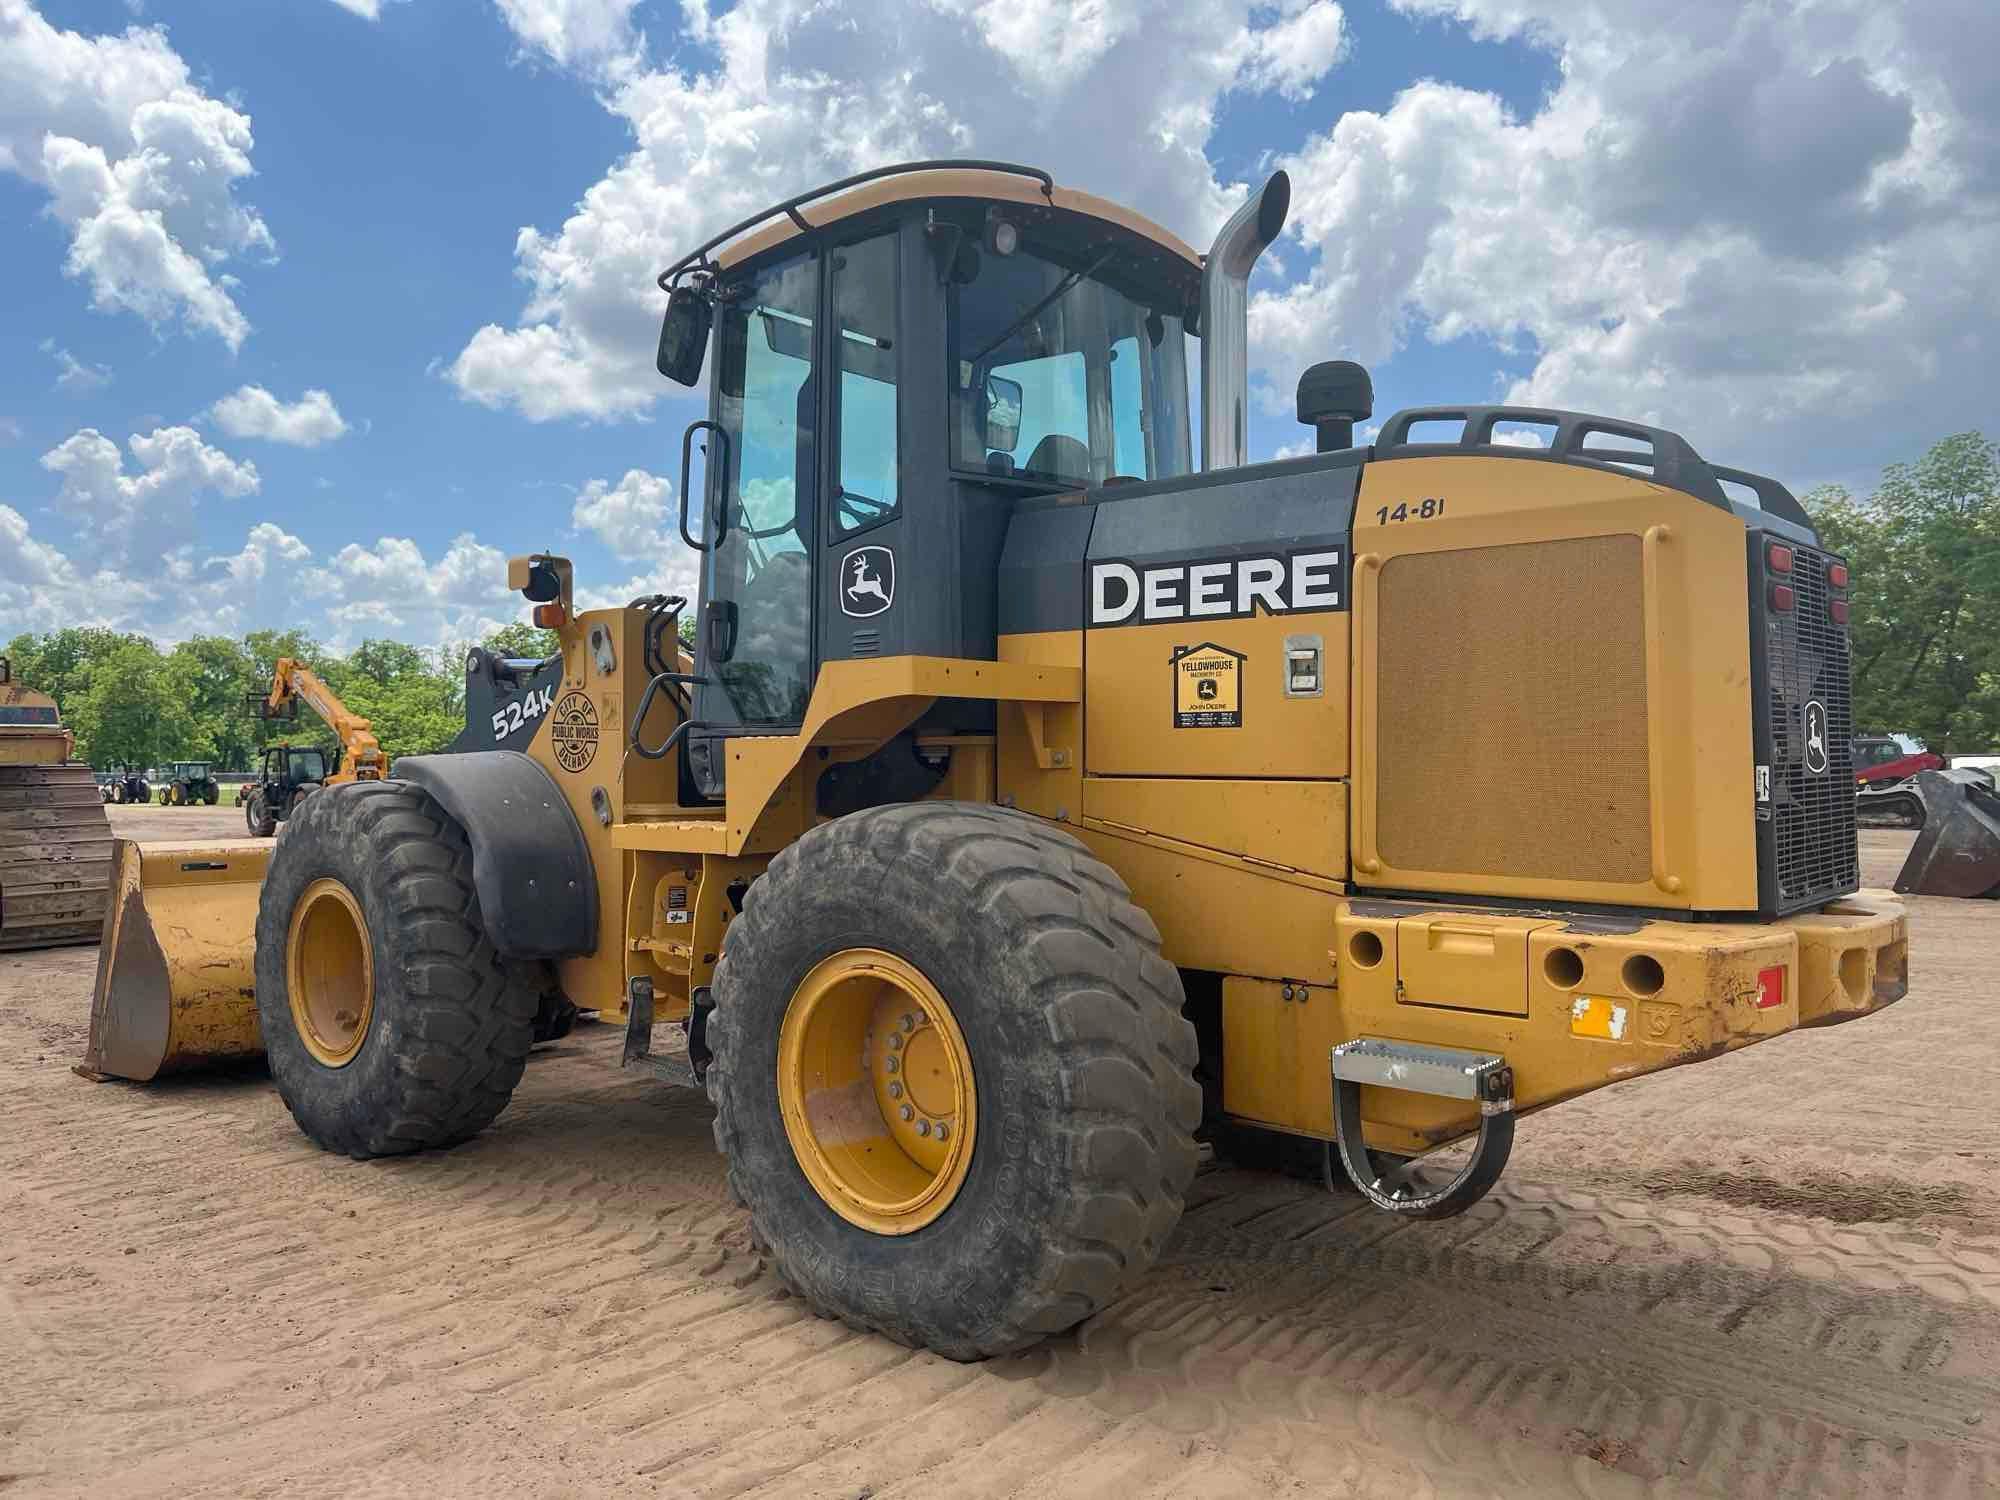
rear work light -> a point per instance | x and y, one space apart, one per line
1836 575
1782 598
1771 987
1837 609
1778 557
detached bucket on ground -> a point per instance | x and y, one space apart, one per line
176 978
1958 853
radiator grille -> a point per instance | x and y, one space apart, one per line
1511 702
1812 810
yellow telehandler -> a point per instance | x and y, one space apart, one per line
291 773
1032 803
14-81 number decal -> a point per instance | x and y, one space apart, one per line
1427 509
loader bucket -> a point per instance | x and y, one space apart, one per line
1958 853
176 979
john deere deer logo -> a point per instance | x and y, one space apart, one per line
868 581
1815 727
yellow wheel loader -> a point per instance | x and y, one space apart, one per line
55 840
1032 803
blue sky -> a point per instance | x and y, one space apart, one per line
1761 224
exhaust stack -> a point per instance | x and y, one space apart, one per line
1225 320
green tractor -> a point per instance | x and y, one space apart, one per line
188 783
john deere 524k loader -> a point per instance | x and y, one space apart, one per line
1034 801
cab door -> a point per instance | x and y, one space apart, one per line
754 634
867 567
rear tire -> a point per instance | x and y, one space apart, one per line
378 882
1083 1128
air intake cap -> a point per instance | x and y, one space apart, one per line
1333 396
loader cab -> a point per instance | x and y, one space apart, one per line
886 384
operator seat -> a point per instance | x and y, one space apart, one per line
1060 456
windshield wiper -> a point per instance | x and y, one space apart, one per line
1062 289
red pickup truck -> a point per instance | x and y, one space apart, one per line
1880 761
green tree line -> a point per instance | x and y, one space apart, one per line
1924 550
130 702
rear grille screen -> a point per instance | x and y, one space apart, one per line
1511 703
1812 809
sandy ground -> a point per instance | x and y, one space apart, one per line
1776 1273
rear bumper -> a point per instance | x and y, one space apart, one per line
1853 957
1602 1000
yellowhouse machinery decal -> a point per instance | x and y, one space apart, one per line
1208 687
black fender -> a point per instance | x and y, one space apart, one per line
530 863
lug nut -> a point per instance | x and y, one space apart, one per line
923 1127
895 1091
943 1131
909 1022
895 1039
890 1065
907 1113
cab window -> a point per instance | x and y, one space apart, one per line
1057 374
864 310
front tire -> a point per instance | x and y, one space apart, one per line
1059 1055
390 1023
257 816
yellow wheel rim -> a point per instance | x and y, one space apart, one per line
876 1088
330 972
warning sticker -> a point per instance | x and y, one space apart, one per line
573 731
1208 687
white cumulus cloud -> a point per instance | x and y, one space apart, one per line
140 165
126 516
637 519
780 95
631 517
1761 225
253 412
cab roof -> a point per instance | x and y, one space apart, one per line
908 182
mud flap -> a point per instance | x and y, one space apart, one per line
1958 852
176 974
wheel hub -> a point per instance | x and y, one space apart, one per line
330 972
876 1086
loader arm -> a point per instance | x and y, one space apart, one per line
292 682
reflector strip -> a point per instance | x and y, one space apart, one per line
1771 987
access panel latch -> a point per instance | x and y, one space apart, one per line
1406 1185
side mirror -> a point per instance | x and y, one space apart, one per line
1000 413
684 335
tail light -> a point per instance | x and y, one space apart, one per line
1778 557
1771 987
1837 609
1836 575
1782 598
